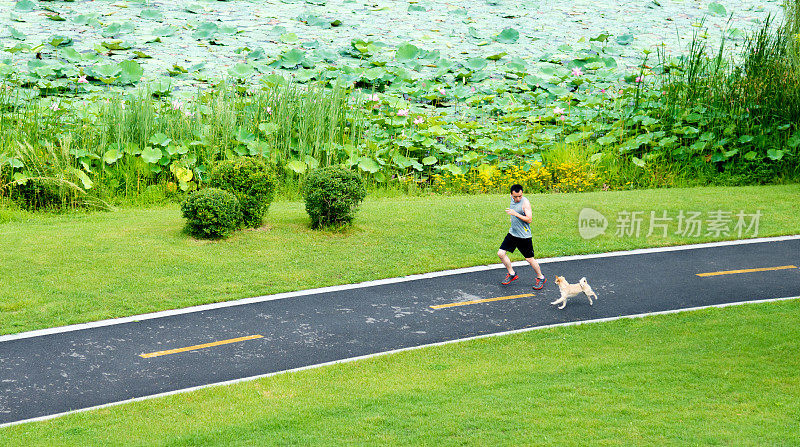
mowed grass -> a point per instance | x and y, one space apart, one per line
712 377
65 269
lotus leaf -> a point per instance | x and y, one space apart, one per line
794 140
111 30
292 58
625 39
775 154
476 63
406 52
205 30
312 162
112 155
297 166
243 135
268 128
289 38
15 162
25 5
368 164
53 15
16 34
160 139
745 139
86 182
60 41
717 9
474 33
226 29
87 19
131 72
152 14
454 169
117 45
241 70
508 35
161 86
107 73
71 55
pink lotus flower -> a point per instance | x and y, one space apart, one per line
562 118
373 97
639 78
177 105
602 90
576 72
419 120
188 114
402 112
269 110
472 90
441 90
82 80
55 106
558 110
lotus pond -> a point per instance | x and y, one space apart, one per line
107 99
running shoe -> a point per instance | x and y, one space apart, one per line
539 283
509 279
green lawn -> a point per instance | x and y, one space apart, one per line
65 269
712 377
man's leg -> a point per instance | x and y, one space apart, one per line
535 266
506 261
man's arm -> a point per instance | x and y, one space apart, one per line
528 217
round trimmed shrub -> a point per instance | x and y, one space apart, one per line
252 181
332 195
211 213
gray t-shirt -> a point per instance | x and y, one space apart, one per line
519 228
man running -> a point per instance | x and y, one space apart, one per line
519 237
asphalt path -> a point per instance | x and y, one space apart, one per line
47 373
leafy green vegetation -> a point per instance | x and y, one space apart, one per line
410 116
211 212
332 196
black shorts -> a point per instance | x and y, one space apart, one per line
525 245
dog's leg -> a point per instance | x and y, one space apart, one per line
563 300
590 298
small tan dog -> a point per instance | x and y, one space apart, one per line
569 290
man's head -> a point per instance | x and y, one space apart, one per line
516 193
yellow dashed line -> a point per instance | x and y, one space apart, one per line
731 272
465 303
206 345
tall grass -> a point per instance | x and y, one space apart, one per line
280 121
762 88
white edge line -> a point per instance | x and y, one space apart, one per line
395 351
279 296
